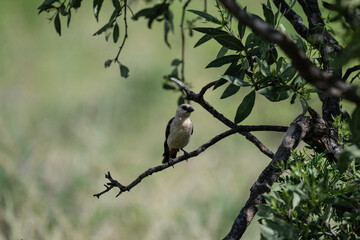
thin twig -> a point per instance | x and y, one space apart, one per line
116 59
183 40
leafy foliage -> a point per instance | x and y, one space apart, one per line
313 200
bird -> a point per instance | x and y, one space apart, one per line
178 132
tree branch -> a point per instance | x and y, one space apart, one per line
296 132
312 74
200 100
113 183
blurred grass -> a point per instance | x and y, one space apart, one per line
65 121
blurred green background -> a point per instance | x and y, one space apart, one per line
65 121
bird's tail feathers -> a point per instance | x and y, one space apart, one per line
172 155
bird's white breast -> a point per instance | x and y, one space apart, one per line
180 132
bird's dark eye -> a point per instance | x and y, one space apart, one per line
184 108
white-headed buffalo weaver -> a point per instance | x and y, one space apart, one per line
178 132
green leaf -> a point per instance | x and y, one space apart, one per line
293 98
275 93
68 18
75 3
256 46
116 4
46 5
176 62
210 31
232 70
222 52
241 28
264 210
103 29
203 39
124 71
222 37
279 64
229 42
116 33
296 200
299 42
97 4
57 24
206 16
238 81
264 68
245 64
245 107
223 60
304 105
159 10
219 83
268 14
167 28
108 63
349 154
230 90
288 74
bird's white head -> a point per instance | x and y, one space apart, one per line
184 110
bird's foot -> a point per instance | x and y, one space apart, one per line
171 162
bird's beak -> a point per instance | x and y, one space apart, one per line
190 109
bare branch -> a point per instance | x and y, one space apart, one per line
206 87
113 183
296 132
312 74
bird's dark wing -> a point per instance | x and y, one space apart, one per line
166 147
167 131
